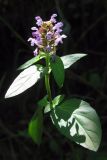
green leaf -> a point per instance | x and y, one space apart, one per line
70 59
35 127
25 80
58 71
57 100
78 121
32 61
43 102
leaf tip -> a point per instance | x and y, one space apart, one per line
6 95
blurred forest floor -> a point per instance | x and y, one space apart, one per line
85 23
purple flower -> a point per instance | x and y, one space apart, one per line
37 37
35 52
49 35
36 34
38 42
34 28
39 20
59 39
32 40
58 26
48 48
58 31
53 20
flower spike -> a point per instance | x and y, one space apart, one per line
47 35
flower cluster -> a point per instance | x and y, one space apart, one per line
47 35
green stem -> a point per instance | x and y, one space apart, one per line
47 82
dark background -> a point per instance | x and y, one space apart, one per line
85 23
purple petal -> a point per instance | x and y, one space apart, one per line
48 48
59 39
39 20
35 52
32 40
38 42
53 20
36 34
49 35
37 17
58 31
63 36
54 15
58 25
34 28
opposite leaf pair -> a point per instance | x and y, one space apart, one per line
73 118
33 73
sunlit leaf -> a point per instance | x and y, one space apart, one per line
25 80
32 61
58 71
78 121
35 127
45 103
70 59
57 100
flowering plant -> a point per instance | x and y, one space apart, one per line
73 117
